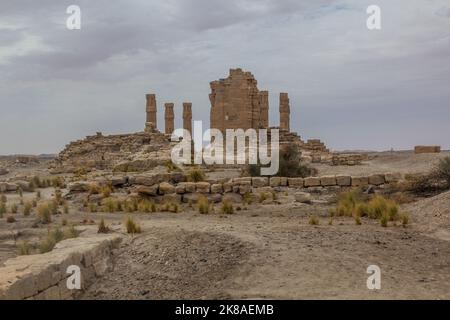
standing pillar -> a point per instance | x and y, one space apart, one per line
187 116
285 112
264 108
150 124
168 117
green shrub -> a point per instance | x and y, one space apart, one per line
66 207
53 207
171 166
94 188
2 209
24 248
247 198
102 227
263 196
405 219
203 205
57 182
14 208
289 165
27 208
443 170
54 236
132 226
44 213
227 207
196 175
93 207
3 198
106 191
357 220
111 205
313 221
71 232
384 220
351 204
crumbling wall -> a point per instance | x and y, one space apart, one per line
44 276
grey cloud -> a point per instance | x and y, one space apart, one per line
348 86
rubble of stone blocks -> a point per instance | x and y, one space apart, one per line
175 183
44 276
427 149
346 159
139 151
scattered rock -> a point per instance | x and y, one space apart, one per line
78 187
303 197
166 188
148 190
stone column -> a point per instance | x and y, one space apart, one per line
150 124
264 107
187 116
168 117
284 112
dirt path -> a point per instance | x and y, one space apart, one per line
274 254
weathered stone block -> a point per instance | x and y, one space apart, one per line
148 190
172 197
376 179
327 181
245 188
202 187
190 187
8 187
258 182
180 188
295 182
237 181
343 180
427 149
216 188
118 181
360 181
228 186
166 188
78 187
312 182
275 181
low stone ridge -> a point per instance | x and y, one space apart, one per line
44 276
125 152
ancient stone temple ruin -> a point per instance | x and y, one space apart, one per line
236 103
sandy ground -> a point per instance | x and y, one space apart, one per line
383 162
273 253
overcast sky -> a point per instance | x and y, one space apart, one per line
351 87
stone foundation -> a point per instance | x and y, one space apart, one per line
44 276
427 149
